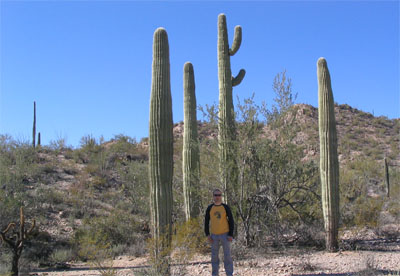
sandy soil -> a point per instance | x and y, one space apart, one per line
295 263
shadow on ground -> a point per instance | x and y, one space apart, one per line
360 273
94 268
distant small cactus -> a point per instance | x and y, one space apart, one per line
34 126
387 178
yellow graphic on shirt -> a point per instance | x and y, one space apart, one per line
219 221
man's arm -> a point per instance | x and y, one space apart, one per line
231 222
207 221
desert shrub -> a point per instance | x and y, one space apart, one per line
50 196
59 145
18 169
5 262
123 146
95 247
187 240
137 249
135 186
118 227
366 211
146 272
61 255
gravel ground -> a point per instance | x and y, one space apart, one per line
295 263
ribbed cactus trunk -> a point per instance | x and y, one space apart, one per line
191 155
161 150
226 124
329 164
387 178
34 125
39 141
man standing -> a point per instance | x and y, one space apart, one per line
222 225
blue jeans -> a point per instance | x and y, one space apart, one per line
228 263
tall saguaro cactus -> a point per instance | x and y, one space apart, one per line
226 125
161 148
34 125
191 155
329 164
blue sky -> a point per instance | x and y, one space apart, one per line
87 64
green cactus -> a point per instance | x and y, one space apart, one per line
39 142
34 126
329 164
16 240
226 125
387 178
161 146
191 155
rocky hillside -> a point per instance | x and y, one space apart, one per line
102 188
359 133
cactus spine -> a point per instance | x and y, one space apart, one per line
34 125
387 178
16 239
226 124
161 147
329 164
191 156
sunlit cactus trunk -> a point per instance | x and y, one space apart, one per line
329 164
387 178
161 148
226 124
191 155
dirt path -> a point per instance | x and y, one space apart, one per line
310 263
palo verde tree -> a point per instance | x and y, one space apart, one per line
277 188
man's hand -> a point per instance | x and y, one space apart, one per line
230 239
210 240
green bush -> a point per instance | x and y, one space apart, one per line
61 255
366 211
117 228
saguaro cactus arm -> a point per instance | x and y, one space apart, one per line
238 79
237 41
3 234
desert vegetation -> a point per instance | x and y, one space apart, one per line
106 199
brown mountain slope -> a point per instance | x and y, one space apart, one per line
359 133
